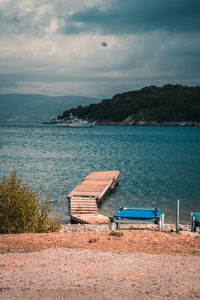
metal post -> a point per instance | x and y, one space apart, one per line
112 224
160 223
177 216
163 222
117 225
192 223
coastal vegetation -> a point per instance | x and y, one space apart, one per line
167 105
116 233
20 209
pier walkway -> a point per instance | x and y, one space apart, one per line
84 199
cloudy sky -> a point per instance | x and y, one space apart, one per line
97 47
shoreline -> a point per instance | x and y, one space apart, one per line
169 227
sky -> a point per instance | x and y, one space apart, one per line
97 48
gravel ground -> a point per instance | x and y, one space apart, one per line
87 262
86 274
89 227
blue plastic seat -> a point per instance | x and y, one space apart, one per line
139 214
134 212
195 221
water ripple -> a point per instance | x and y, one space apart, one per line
157 165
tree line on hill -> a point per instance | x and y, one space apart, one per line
167 105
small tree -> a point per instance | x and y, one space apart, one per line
20 209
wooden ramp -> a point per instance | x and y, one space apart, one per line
85 197
90 219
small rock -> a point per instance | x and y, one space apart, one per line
92 240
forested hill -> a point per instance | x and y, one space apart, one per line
167 105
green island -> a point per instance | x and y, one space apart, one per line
170 105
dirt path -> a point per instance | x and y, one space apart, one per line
86 274
139 265
145 241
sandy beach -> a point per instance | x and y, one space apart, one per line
140 264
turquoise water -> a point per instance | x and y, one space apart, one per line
157 165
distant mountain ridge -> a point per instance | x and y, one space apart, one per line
167 105
36 108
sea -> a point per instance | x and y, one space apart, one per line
158 165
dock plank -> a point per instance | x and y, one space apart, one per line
84 194
90 218
84 212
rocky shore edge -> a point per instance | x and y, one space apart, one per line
131 122
101 227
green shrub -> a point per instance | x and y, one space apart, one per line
117 234
20 209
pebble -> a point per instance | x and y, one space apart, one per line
100 227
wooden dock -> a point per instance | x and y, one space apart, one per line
88 194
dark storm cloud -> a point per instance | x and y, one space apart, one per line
133 16
97 46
